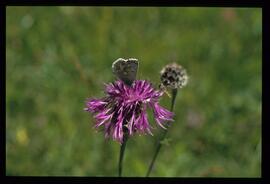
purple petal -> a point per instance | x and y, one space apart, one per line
102 117
95 105
131 122
161 114
160 123
142 124
118 130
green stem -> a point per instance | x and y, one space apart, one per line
174 93
122 151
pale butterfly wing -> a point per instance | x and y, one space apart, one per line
126 69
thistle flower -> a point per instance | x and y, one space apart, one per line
173 76
123 110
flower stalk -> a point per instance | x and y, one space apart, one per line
172 76
122 151
163 137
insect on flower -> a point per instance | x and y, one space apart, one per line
123 109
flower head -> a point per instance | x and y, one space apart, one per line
123 109
173 76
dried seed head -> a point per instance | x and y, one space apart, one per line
173 76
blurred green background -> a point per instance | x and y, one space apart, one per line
59 56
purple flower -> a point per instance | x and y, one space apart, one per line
123 110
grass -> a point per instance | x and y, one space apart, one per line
59 56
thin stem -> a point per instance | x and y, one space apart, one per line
174 94
122 151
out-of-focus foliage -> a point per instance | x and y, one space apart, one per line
59 56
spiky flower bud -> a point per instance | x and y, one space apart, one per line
173 76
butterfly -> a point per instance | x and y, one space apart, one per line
126 69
